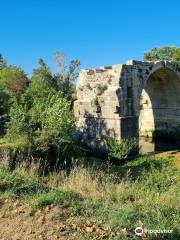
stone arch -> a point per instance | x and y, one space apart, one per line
108 99
159 100
172 66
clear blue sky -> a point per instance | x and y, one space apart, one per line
97 32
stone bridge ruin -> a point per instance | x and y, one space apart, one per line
128 100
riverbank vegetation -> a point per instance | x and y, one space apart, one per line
38 120
46 166
101 201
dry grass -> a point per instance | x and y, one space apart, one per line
147 194
88 183
171 155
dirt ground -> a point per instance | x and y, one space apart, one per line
16 222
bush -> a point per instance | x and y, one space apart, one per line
19 183
13 80
55 196
39 116
47 125
162 53
101 89
121 150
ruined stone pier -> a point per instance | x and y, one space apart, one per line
128 100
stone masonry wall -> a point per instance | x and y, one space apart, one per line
109 98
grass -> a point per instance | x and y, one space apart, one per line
19 183
105 204
172 155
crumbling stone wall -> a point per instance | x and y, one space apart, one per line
110 99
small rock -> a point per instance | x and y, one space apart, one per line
41 220
30 231
74 226
15 211
2 200
50 233
89 229
21 210
16 237
37 213
47 209
2 215
124 231
62 227
17 204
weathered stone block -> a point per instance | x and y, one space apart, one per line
139 97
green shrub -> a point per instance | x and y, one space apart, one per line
95 102
19 183
41 115
56 196
121 149
13 80
48 127
101 89
94 199
162 53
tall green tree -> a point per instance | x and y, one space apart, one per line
163 53
2 62
176 56
13 80
66 76
43 80
41 84
42 119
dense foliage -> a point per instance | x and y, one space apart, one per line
120 150
40 122
176 56
66 76
13 81
36 114
163 53
95 202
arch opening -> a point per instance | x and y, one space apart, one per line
160 103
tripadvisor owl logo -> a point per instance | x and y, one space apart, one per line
139 231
